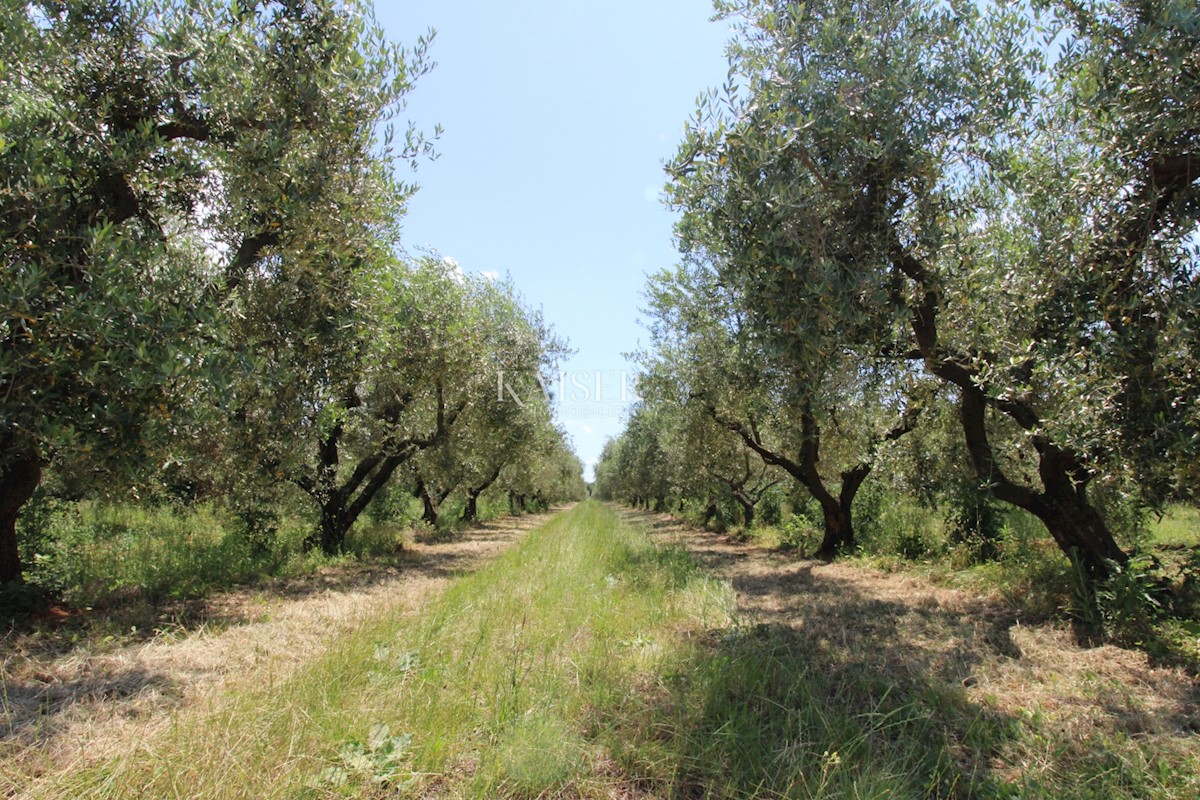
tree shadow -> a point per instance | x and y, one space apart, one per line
35 710
842 682
55 667
813 709
135 619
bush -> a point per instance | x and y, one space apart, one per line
369 539
36 523
900 527
801 533
975 520
94 554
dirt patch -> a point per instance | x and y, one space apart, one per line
69 695
906 634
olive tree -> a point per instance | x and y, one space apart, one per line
156 156
818 416
917 181
507 420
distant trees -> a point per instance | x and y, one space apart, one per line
199 226
502 351
917 186
720 399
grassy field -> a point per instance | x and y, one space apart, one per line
495 688
1180 525
594 661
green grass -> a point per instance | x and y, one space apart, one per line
96 554
1180 525
590 663
491 682
92 553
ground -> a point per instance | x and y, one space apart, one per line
70 697
906 632
63 701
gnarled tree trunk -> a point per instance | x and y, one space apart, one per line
20 474
471 509
836 510
1063 507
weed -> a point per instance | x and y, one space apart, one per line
378 760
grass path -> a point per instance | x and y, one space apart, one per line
621 655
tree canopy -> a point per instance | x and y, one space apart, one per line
1003 198
201 234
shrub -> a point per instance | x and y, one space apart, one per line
96 553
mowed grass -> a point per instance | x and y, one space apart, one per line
492 690
591 663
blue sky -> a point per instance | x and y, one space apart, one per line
557 117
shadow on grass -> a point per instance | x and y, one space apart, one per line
36 710
843 683
775 710
132 617
50 667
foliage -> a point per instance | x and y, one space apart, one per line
921 184
376 761
97 554
167 167
206 300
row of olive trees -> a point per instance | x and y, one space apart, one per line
425 377
997 206
199 223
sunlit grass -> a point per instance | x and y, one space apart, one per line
1180 525
591 663
98 554
492 682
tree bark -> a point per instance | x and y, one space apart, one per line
839 513
430 503
1062 506
839 531
839 521
747 505
331 533
19 478
341 505
471 509
1073 522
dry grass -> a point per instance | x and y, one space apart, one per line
590 663
905 636
81 694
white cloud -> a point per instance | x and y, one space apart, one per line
490 274
580 424
453 270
